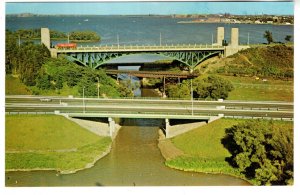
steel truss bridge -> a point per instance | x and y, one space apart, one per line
188 54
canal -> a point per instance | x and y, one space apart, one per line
135 160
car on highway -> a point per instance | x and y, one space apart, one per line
45 100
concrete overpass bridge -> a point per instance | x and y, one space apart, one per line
188 54
167 110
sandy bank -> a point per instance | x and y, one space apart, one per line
167 148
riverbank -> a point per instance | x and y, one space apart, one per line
216 22
61 171
49 142
200 150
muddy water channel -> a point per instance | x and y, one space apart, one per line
134 160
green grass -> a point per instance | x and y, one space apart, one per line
203 150
49 142
13 86
247 88
205 141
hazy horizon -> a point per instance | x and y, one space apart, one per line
150 8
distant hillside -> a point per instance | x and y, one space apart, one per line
276 61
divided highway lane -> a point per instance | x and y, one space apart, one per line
153 102
161 109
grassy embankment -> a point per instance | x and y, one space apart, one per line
247 88
203 150
260 73
13 86
46 142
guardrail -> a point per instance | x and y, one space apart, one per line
143 47
263 118
148 113
29 113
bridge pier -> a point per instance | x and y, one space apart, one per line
167 129
112 126
53 52
45 37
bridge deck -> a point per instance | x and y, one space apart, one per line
154 74
143 48
140 115
146 108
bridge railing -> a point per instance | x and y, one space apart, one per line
226 116
141 113
144 47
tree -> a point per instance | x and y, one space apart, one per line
180 90
288 38
84 36
268 35
262 151
31 58
88 82
124 90
59 83
43 82
127 87
214 87
11 52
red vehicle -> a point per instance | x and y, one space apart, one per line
66 46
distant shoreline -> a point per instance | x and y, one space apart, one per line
201 22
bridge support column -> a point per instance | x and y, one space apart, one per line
53 53
45 37
167 121
220 35
112 126
234 37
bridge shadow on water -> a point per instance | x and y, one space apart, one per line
128 121
142 122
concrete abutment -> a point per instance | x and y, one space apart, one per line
175 127
99 126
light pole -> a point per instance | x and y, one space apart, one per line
248 39
164 94
83 105
192 94
98 85
19 40
159 39
118 41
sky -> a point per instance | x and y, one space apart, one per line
127 8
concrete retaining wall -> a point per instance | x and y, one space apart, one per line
180 129
98 128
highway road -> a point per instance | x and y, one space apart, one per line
130 101
136 107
